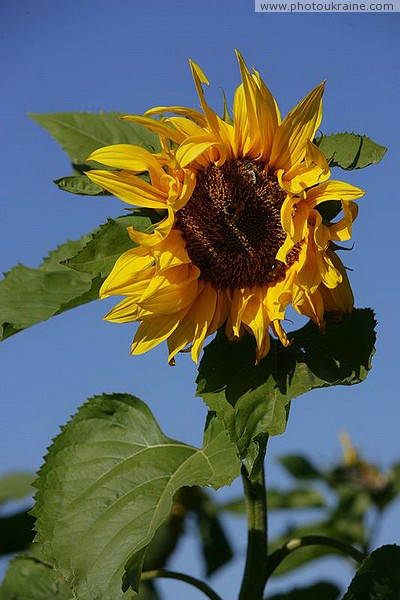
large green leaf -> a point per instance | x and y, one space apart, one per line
378 577
350 151
323 590
29 296
29 579
80 133
107 485
15 486
252 400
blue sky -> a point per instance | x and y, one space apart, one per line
129 56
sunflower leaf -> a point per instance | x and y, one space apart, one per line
29 579
107 244
29 296
252 400
80 184
350 151
80 133
107 485
378 576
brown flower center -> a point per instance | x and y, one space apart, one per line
232 225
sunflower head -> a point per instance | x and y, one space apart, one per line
243 234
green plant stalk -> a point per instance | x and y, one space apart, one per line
275 559
164 573
254 577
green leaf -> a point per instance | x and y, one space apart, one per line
318 591
108 484
300 467
28 579
252 400
278 500
80 184
80 133
108 242
16 532
29 296
378 577
350 151
15 486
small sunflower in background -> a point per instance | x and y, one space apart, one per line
242 236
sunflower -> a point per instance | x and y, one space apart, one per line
242 234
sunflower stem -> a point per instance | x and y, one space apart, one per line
254 577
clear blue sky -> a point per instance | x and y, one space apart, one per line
129 56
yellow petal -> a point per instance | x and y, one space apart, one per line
299 126
123 312
181 191
190 113
158 127
341 231
223 131
192 148
170 291
129 188
339 299
221 312
333 190
133 158
154 331
130 268
188 128
180 338
280 333
313 170
161 231
240 298
171 252
309 305
294 219
202 312
127 311
256 116
256 320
